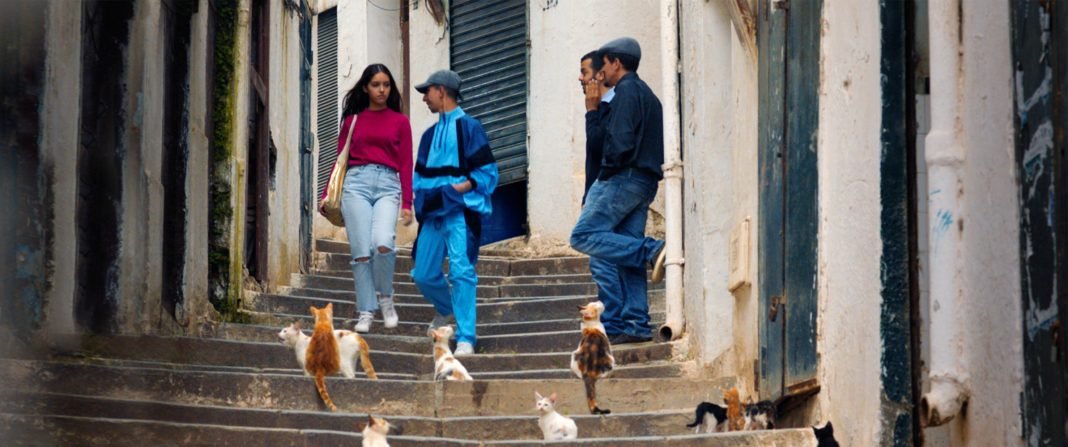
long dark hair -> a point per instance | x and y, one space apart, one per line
357 100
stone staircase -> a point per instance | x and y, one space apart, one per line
237 385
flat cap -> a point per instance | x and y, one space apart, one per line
444 78
622 45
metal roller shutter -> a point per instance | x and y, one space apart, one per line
489 51
327 121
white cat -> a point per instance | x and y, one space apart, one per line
374 434
349 345
554 426
446 367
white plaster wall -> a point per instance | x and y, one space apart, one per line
196 305
61 104
559 35
719 176
429 51
850 247
141 227
384 38
991 274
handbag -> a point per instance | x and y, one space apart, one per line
330 208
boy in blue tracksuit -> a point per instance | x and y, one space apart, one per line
455 175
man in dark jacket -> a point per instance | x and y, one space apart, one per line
612 224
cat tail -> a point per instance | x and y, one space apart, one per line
365 360
320 384
591 396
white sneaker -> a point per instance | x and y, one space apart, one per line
364 323
438 321
388 312
464 348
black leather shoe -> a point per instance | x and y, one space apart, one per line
622 339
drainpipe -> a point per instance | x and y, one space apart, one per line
669 73
945 157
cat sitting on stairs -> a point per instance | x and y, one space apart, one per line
554 426
446 366
374 433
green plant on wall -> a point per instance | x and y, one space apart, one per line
222 143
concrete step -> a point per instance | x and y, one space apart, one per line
345 287
275 356
418 328
342 280
490 266
85 431
474 428
543 308
386 397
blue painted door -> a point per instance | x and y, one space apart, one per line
788 40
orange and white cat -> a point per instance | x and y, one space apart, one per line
593 358
323 358
374 434
446 367
349 343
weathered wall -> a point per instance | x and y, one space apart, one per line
60 106
195 305
284 199
141 225
560 34
850 115
720 185
992 322
239 150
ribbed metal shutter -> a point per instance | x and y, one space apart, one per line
327 121
489 51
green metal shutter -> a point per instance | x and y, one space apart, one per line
489 51
327 122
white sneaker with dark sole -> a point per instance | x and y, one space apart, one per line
363 324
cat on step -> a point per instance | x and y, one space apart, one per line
349 344
593 358
446 366
711 417
323 358
374 434
554 426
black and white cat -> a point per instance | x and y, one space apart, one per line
709 416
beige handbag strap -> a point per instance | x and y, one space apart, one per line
344 155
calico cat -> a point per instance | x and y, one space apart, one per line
760 416
825 435
554 426
717 423
349 345
322 358
446 367
374 434
593 358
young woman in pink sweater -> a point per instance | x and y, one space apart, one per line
377 185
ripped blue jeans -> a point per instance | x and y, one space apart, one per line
370 201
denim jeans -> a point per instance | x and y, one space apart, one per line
611 229
440 237
370 202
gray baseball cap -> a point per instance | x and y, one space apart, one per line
444 78
622 45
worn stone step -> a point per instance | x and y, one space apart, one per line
637 371
274 356
545 308
342 280
523 426
418 328
68 430
344 288
491 266
386 397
